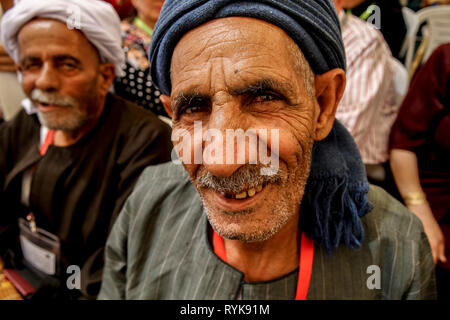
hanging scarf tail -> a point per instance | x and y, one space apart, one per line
336 195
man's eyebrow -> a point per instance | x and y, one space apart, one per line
60 57
28 59
187 98
283 88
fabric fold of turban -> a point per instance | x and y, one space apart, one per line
96 19
312 24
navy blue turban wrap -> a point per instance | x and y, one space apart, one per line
336 194
312 24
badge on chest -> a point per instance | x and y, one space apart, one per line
40 248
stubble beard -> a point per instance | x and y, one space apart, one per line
73 122
284 208
71 117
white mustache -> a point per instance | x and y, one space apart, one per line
246 177
52 98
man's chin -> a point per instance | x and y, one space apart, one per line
241 231
246 225
60 122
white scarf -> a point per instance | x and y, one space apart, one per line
97 20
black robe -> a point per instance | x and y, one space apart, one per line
77 191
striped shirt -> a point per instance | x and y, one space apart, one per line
160 248
370 102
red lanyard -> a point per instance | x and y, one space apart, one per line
305 264
49 139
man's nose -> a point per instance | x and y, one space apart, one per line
220 150
47 79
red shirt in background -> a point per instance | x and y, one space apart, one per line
423 127
123 7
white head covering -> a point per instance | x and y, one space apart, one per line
97 20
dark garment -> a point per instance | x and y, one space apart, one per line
442 283
78 191
423 127
159 248
393 26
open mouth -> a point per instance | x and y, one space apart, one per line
244 194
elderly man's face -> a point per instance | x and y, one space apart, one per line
61 74
241 73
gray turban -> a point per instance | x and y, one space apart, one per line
96 19
312 24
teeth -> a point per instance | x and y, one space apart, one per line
242 195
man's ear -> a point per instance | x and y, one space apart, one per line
167 103
107 75
329 88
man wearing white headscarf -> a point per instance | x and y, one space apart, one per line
70 159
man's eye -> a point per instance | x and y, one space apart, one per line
31 66
195 106
265 97
66 65
69 66
193 109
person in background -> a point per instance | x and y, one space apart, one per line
391 20
371 100
137 84
71 157
420 157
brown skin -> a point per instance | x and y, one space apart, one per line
405 169
6 4
68 65
148 10
217 60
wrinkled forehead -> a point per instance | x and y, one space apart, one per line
48 27
54 32
238 27
231 36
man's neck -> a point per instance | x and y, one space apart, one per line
266 260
